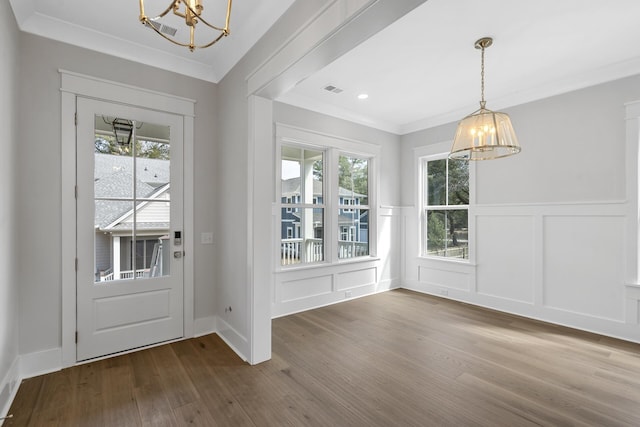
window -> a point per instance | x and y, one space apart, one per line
445 207
353 191
302 190
310 199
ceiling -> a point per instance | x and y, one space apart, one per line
419 72
113 27
424 71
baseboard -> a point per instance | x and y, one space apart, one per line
40 362
580 321
335 297
237 342
9 388
27 366
204 326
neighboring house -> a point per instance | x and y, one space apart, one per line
114 220
353 223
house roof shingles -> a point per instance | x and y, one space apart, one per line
113 178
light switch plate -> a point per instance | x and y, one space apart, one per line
206 238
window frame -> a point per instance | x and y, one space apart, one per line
423 156
350 205
333 147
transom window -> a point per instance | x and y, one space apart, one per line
445 207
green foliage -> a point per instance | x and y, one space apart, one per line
458 182
447 184
146 149
436 233
353 175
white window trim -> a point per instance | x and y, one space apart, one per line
432 152
333 146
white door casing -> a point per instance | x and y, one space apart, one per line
73 87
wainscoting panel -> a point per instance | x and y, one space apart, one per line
356 278
306 288
444 278
506 257
584 265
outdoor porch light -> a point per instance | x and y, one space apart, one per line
484 134
191 12
122 130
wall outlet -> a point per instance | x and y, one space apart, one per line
206 238
444 292
347 294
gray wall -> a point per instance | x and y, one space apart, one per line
39 176
9 284
572 149
551 226
233 240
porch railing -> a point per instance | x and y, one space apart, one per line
291 250
352 249
127 274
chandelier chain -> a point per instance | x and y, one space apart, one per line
482 101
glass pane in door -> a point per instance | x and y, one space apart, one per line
132 199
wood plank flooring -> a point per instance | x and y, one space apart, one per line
393 359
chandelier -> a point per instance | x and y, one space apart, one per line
191 12
484 134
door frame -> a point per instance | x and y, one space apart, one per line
75 85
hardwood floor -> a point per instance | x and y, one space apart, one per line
393 359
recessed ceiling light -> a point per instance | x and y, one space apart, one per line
363 96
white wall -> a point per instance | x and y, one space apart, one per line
39 177
9 284
302 289
551 223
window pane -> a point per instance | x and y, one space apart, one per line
129 233
458 182
436 184
154 258
353 180
302 236
448 233
301 175
113 166
112 253
353 233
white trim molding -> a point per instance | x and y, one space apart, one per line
74 85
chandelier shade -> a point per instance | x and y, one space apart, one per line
190 13
484 134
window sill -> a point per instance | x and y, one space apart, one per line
349 261
441 260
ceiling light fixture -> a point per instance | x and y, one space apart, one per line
363 96
122 130
192 14
484 134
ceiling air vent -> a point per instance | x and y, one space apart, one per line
162 28
333 89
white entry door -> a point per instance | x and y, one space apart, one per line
129 228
